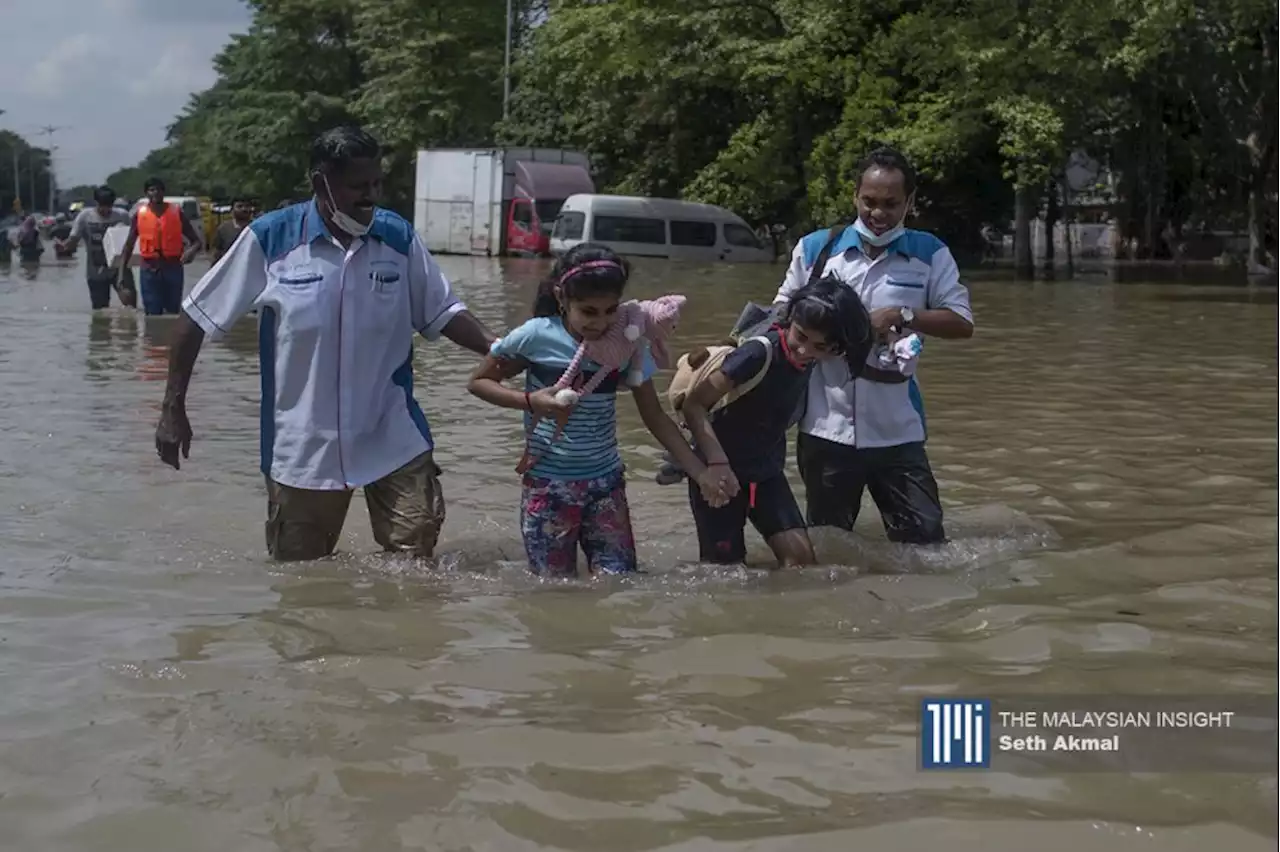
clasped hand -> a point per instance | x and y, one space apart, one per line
717 484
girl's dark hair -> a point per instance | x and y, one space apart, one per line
606 276
835 310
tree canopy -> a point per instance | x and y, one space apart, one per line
766 106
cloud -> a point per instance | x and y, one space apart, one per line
113 76
52 75
179 70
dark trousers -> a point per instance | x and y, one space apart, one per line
899 478
161 285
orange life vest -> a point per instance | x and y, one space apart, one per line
160 237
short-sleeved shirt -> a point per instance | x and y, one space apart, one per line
335 338
588 446
226 235
752 430
916 271
90 227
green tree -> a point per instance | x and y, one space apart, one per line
32 177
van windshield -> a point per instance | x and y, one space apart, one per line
547 212
569 226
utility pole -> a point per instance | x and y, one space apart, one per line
17 185
47 130
506 66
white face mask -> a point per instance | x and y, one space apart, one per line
870 237
342 220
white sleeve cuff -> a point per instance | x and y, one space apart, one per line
200 318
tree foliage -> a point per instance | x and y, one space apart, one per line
33 175
766 106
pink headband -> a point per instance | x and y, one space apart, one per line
590 264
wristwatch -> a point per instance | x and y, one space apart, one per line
908 316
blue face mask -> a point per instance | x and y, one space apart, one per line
871 238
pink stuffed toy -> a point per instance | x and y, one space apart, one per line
638 324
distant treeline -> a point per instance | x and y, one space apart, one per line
764 106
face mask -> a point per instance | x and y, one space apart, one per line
871 238
342 220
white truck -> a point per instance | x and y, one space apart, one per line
494 201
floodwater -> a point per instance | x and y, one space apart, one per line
1106 452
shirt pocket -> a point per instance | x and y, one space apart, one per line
906 281
384 298
298 297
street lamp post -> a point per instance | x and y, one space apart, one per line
506 66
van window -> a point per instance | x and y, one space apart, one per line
569 226
629 229
693 233
736 235
191 209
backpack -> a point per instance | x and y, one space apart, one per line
754 321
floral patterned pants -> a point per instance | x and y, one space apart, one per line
558 515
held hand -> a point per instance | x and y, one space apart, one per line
728 482
544 403
885 319
173 433
717 484
189 255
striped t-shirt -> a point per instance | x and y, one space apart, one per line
588 446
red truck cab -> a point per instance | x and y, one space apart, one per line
540 190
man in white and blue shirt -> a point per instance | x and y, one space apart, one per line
341 288
868 433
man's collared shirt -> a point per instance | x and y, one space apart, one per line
335 340
915 271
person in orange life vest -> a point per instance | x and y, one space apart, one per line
167 241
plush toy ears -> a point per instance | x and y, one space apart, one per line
698 357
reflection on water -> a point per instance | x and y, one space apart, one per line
1106 452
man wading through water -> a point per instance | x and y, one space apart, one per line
869 433
341 287
241 213
167 241
91 225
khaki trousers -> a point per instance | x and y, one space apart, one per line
406 510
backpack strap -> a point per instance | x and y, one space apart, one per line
750 384
820 265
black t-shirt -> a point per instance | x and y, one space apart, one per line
752 429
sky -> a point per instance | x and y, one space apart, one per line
112 74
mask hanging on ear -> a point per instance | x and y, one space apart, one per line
342 220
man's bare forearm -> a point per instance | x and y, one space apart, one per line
469 333
183 349
942 323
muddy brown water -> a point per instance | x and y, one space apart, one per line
1107 456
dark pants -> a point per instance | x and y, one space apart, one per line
899 478
769 505
100 285
161 285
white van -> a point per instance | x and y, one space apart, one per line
657 227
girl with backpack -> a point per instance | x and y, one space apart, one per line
744 440
574 491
